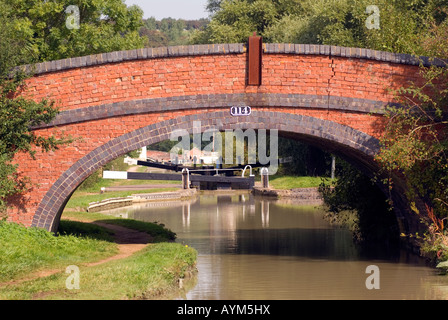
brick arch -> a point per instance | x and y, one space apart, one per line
356 145
327 95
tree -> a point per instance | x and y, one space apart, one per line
173 28
61 29
341 22
415 144
236 20
213 5
155 38
169 31
18 114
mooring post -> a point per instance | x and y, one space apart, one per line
265 177
185 179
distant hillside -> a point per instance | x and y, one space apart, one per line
169 31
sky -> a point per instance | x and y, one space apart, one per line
177 9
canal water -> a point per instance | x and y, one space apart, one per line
257 249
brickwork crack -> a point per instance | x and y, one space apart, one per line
333 74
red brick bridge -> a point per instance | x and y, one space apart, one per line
328 96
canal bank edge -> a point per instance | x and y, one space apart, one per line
114 203
305 195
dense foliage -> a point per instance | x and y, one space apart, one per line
415 146
61 29
342 22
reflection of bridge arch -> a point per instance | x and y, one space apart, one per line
118 102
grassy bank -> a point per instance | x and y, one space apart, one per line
28 250
149 273
293 182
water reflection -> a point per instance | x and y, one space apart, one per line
186 210
253 248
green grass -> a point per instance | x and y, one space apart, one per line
84 230
157 231
25 250
155 270
292 182
148 274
